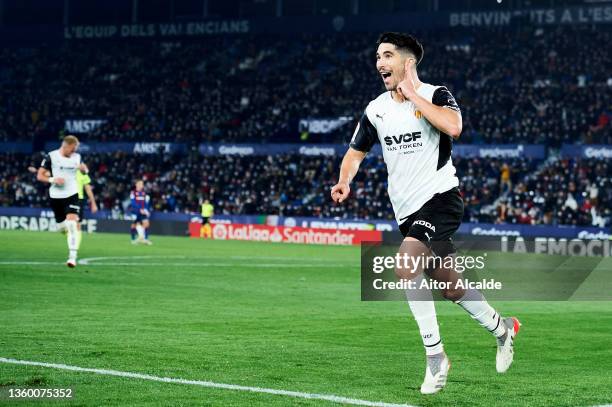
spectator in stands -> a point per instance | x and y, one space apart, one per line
184 98
562 192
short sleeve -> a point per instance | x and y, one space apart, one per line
442 97
46 162
365 135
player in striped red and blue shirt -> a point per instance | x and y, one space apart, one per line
140 206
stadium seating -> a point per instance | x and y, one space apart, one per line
534 85
562 192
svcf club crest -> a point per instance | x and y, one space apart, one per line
418 114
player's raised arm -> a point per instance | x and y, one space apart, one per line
443 114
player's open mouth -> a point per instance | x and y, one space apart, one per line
385 75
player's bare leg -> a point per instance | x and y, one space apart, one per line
474 303
423 309
72 238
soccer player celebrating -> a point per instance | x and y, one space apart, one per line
59 169
141 210
415 123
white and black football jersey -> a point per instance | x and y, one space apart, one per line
418 156
63 167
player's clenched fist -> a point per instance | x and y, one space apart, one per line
340 192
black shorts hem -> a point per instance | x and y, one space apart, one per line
63 206
436 222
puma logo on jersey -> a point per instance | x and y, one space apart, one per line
425 224
402 138
380 116
418 114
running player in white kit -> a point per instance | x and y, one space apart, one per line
415 123
59 169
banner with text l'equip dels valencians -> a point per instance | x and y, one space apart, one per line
277 234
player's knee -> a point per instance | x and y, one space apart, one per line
410 254
453 294
407 270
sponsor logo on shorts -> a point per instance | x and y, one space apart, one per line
425 224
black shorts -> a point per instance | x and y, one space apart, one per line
436 222
63 206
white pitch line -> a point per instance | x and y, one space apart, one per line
204 264
90 259
29 263
225 386
250 258
197 262
194 264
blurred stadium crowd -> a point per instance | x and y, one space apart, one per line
522 84
533 85
562 192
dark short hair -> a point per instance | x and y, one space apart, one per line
403 42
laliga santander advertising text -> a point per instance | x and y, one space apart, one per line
285 234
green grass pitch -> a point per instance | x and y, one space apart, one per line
278 316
